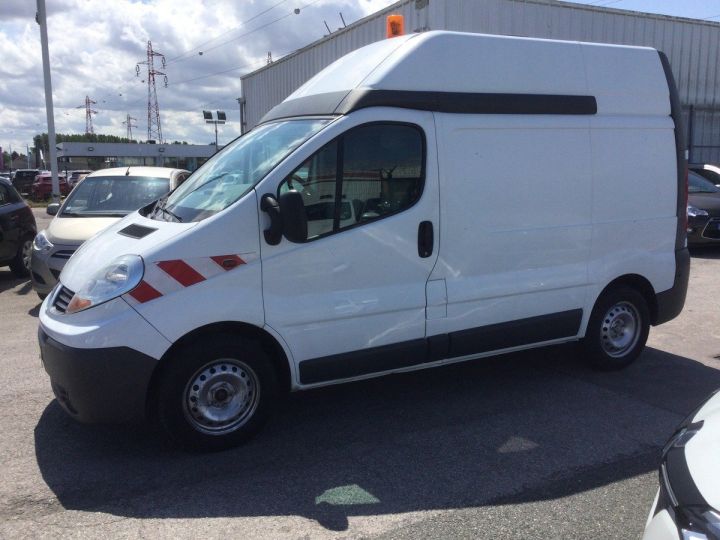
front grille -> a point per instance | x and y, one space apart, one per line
712 229
62 299
63 253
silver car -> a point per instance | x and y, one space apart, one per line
99 200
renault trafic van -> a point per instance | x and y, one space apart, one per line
407 207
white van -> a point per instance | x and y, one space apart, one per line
427 199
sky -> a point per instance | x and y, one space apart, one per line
95 46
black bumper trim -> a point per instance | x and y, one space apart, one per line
670 303
98 385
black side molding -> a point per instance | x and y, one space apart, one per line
670 303
469 102
448 102
416 352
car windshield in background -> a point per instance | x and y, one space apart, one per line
698 184
114 195
235 170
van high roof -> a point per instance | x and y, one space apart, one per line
431 70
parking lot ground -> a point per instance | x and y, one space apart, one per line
530 445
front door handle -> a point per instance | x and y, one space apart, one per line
425 239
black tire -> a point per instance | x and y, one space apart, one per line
20 265
238 367
617 330
42 296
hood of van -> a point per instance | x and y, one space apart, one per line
75 230
132 235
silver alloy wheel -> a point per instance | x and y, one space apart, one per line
620 330
221 396
26 253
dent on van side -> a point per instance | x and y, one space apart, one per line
389 215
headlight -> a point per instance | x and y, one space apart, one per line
118 278
695 212
41 243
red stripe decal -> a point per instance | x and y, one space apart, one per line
228 262
145 292
181 272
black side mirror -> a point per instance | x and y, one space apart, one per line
53 208
294 218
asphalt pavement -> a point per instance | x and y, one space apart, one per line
530 445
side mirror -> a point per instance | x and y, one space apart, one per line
294 218
53 208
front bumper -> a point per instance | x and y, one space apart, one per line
98 385
45 266
703 231
100 360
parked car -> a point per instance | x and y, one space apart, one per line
17 229
708 171
23 179
76 176
42 186
687 504
100 200
703 211
371 224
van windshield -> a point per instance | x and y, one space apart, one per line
235 170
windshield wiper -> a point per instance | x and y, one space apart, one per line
170 213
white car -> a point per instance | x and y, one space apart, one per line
687 505
102 198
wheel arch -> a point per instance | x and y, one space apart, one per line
641 285
267 341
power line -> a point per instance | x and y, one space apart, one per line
296 11
175 58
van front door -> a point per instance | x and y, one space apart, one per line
350 301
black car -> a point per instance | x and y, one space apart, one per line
23 179
703 211
17 230
707 170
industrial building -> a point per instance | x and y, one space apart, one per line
691 45
180 156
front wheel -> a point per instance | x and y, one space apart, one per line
617 330
216 393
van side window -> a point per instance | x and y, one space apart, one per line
5 197
376 168
316 179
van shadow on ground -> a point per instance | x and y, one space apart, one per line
516 428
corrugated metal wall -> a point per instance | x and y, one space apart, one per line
692 47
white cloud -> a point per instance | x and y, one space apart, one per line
94 48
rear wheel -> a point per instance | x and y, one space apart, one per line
216 393
617 330
20 265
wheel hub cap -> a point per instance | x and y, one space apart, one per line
620 329
221 396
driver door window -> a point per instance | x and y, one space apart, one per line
370 172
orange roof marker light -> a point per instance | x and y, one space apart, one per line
395 26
